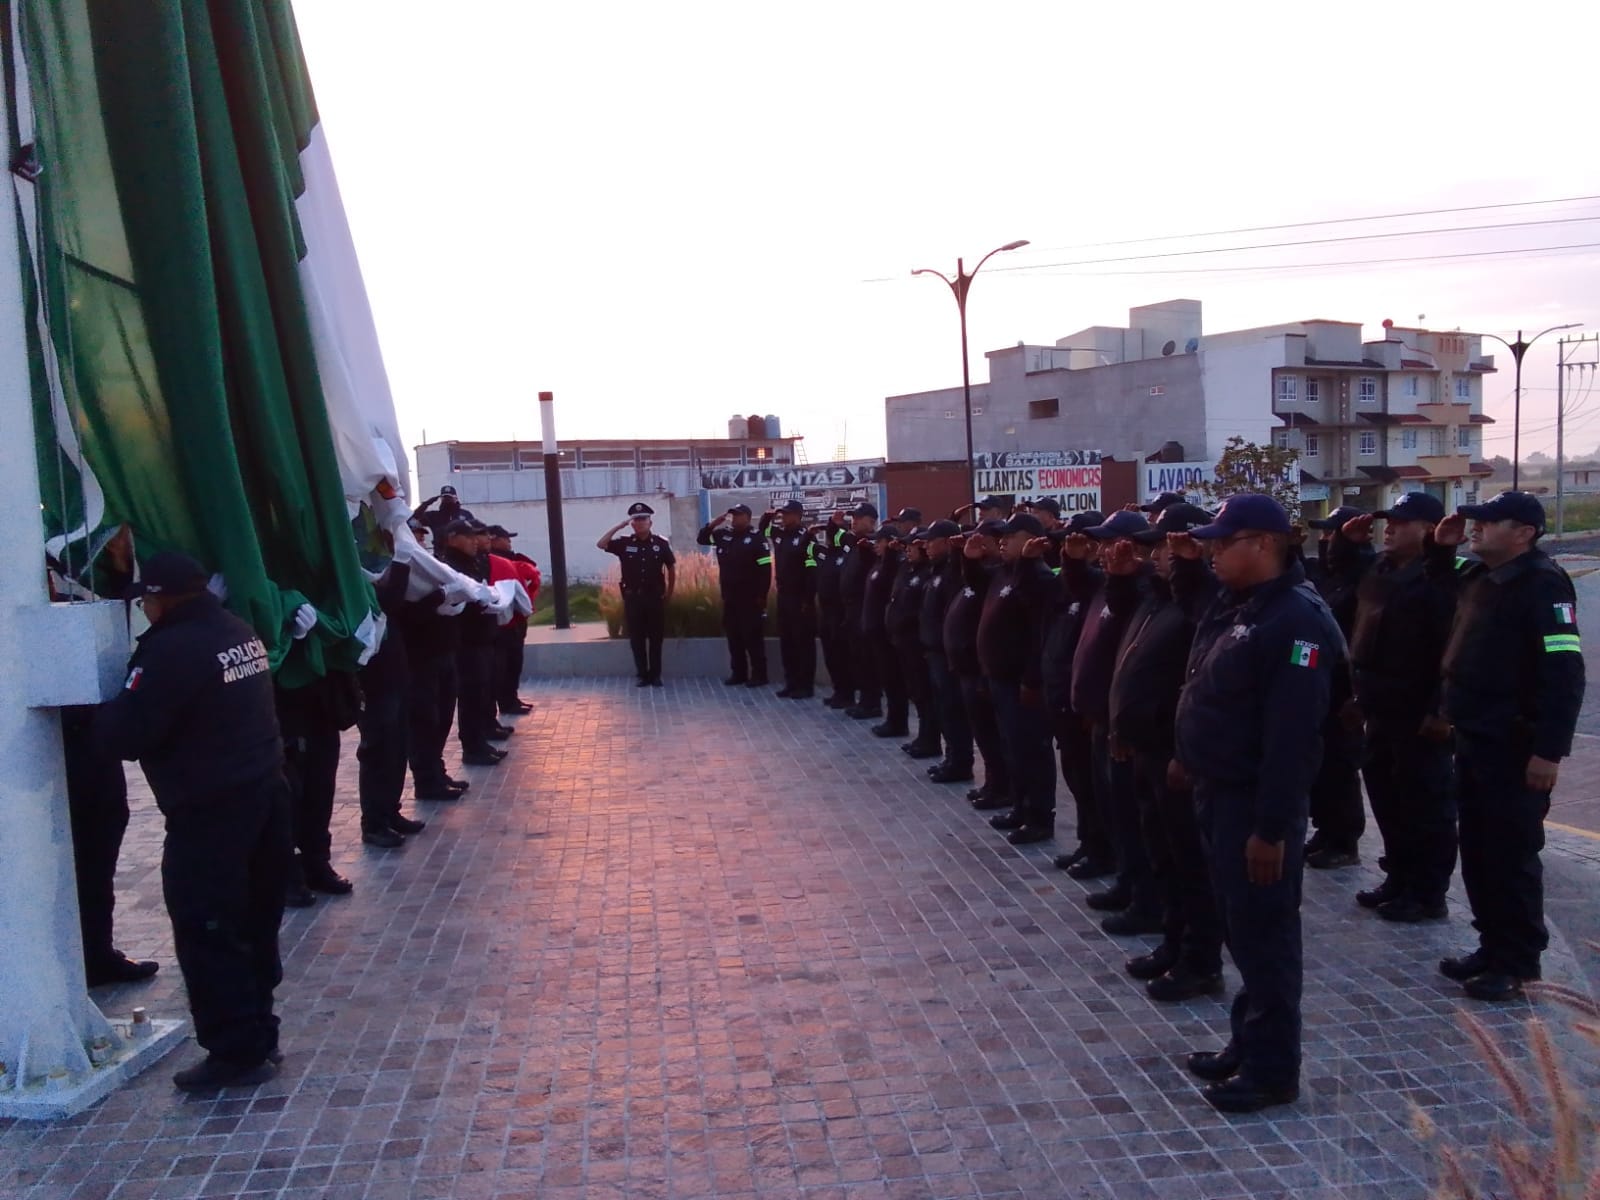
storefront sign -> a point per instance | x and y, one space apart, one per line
1174 477
1072 477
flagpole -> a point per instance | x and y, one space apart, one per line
552 498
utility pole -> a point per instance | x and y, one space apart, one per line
552 506
1563 365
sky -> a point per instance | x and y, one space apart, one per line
670 213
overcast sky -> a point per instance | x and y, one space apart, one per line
668 213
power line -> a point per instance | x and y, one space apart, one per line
1424 212
1273 268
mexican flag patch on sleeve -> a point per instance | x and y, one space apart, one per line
1304 654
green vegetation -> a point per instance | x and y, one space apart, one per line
1578 513
696 606
583 602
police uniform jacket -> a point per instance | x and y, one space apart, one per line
1513 665
965 611
1011 627
744 562
644 564
1108 605
880 583
1063 626
387 668
1149 671
794 562
1403 618
859 561
904 616
478 624
1341 565
1256 697
196 710
830 546
941 582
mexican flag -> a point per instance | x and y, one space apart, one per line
1303 654
205 363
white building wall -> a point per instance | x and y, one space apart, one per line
1236 380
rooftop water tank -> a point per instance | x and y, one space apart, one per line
737 427
756 428
774 427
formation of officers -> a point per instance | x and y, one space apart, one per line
1213 692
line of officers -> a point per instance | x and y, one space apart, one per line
1210 690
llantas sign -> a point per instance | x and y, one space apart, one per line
1072 477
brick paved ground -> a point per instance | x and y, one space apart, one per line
701 943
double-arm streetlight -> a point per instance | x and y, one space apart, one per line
1518 348
959 287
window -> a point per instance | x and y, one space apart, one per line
1463 437
1408 439
1368 393
1369 442
1313 390
1313 445
1288 388
1411 386
1280 438
1038 410
1463 388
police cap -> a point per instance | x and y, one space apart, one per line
1084 521
1047 504
640 509
792 506
170 573
1162 502
1337 518
942 528
1120 525
1022 522
739 510
864 510
1508 506
1415 506
1248 512
1174 518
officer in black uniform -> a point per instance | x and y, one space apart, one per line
1249 733
904 626
980 563
794 563
197 714
649 575
860 559
1513 686
887 552
1338 817
744 573
831 545
381 752
435 519
466 550
942 584
1404 608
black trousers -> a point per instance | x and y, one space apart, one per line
797 641
223 871
1261 923
381 755
836 656
431 696
744 623
1025 734
1077 771
311 769
1337 812
952 709
1502 833
919 690
1178 861
97 808
475 707
896 703
509 645
986 736
864 664
1118 806
646 621
1410 781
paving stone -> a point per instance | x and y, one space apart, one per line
689 944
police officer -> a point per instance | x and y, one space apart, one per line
904 626
1010 638
1404 608
1248 734
381 752
744 573
1513 685
859 560
466 549
980 563
831 543
436 519
649 575
196 712
942 584
887 553
794 556
511 641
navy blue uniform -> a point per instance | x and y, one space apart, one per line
942 585
860 558
875 635
1010 642
1337 814
904 624
744 575
1513 686
1073 745
475 706
644 597
1249 734
831 547
385 681
795 563
197 714
961 621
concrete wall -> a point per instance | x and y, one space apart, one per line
584 521
1236 376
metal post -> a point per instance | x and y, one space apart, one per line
1517 351
960 290
1561 455
552 499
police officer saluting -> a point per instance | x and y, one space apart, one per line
794 565
1513 685
197 713
649 574
744 572
1249 739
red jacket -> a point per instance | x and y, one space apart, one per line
520 568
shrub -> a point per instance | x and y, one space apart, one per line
695 609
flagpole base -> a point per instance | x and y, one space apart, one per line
52 1099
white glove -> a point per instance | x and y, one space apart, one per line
305 620
218 587
447 609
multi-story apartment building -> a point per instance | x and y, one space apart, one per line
1373 420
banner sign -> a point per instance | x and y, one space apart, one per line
1174 477
1072 477
792 478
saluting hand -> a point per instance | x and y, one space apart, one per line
1121 558
1263 861
1542 774
1035 547
1358 529
1079 546
1451 531
1435 729
972 547
1183 545
1297 534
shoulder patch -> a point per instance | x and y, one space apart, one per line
1304 654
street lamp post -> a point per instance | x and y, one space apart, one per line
959 287
1518 348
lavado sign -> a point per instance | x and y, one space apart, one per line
1072 477
1174 477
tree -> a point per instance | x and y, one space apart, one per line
1247 467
